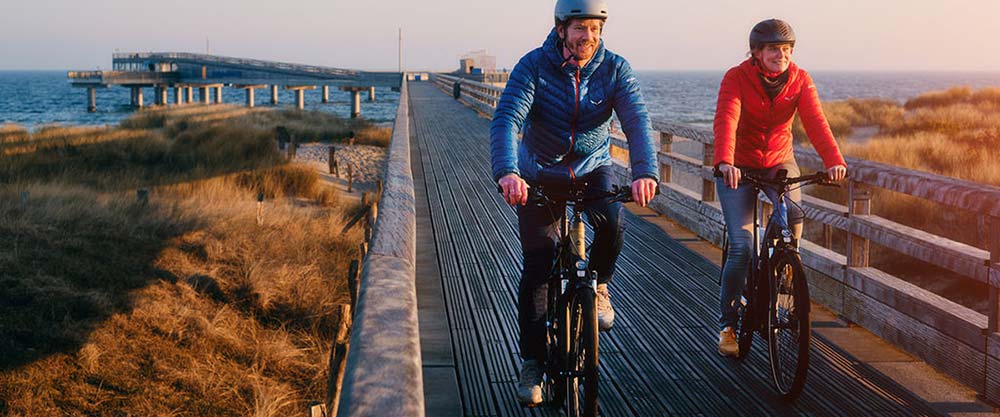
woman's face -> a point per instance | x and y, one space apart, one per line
775 57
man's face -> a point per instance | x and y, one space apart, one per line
581 37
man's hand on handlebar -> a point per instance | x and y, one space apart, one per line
515 190
643 190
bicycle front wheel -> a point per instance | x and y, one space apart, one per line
581 380
788 325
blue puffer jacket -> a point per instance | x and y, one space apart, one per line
564 113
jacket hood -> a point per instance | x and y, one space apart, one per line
553 52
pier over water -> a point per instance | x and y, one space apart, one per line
182 73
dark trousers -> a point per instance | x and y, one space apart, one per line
539 228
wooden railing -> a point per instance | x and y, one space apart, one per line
383 375
482 97
955 339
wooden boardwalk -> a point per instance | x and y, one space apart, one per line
660 358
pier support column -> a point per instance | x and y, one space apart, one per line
326 94
274 94
203 94
355 104
249 89
300 96
179 95
218 95
138 97
371 93
189 93
356 99
131 97
163 95
91 99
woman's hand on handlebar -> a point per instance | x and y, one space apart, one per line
643 190
836 173
730 175
515 190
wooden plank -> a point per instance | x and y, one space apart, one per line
975 197
957 257
825 212
948 355
993 380
948 317
687 164
695 133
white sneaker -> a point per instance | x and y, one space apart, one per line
529 387
605 313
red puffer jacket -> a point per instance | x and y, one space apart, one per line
752 131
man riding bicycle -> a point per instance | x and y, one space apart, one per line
560 97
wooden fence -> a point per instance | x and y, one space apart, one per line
382 374
955 339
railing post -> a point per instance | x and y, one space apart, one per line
338 359
666 146
994 280
860 204
708 160
828 236
332 162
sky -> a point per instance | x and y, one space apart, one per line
836 35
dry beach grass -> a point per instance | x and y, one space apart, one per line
955 133
182 305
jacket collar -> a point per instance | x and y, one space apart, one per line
751 70
553 52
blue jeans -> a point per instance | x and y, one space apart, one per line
539 232
737 210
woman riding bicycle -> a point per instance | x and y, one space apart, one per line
753 134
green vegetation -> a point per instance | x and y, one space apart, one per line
182 305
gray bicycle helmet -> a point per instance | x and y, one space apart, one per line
581 9
771 31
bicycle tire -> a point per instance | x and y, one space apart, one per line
555 383
788 325
582 358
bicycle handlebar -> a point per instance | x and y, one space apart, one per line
819 178
619 193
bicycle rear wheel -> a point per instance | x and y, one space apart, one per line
581 360
788 325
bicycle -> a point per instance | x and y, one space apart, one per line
571 374
775 299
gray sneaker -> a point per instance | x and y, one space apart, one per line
605 313
529 388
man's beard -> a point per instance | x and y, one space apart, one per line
577 49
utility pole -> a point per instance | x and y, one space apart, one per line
400 50
208 50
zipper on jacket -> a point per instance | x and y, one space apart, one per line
576 111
